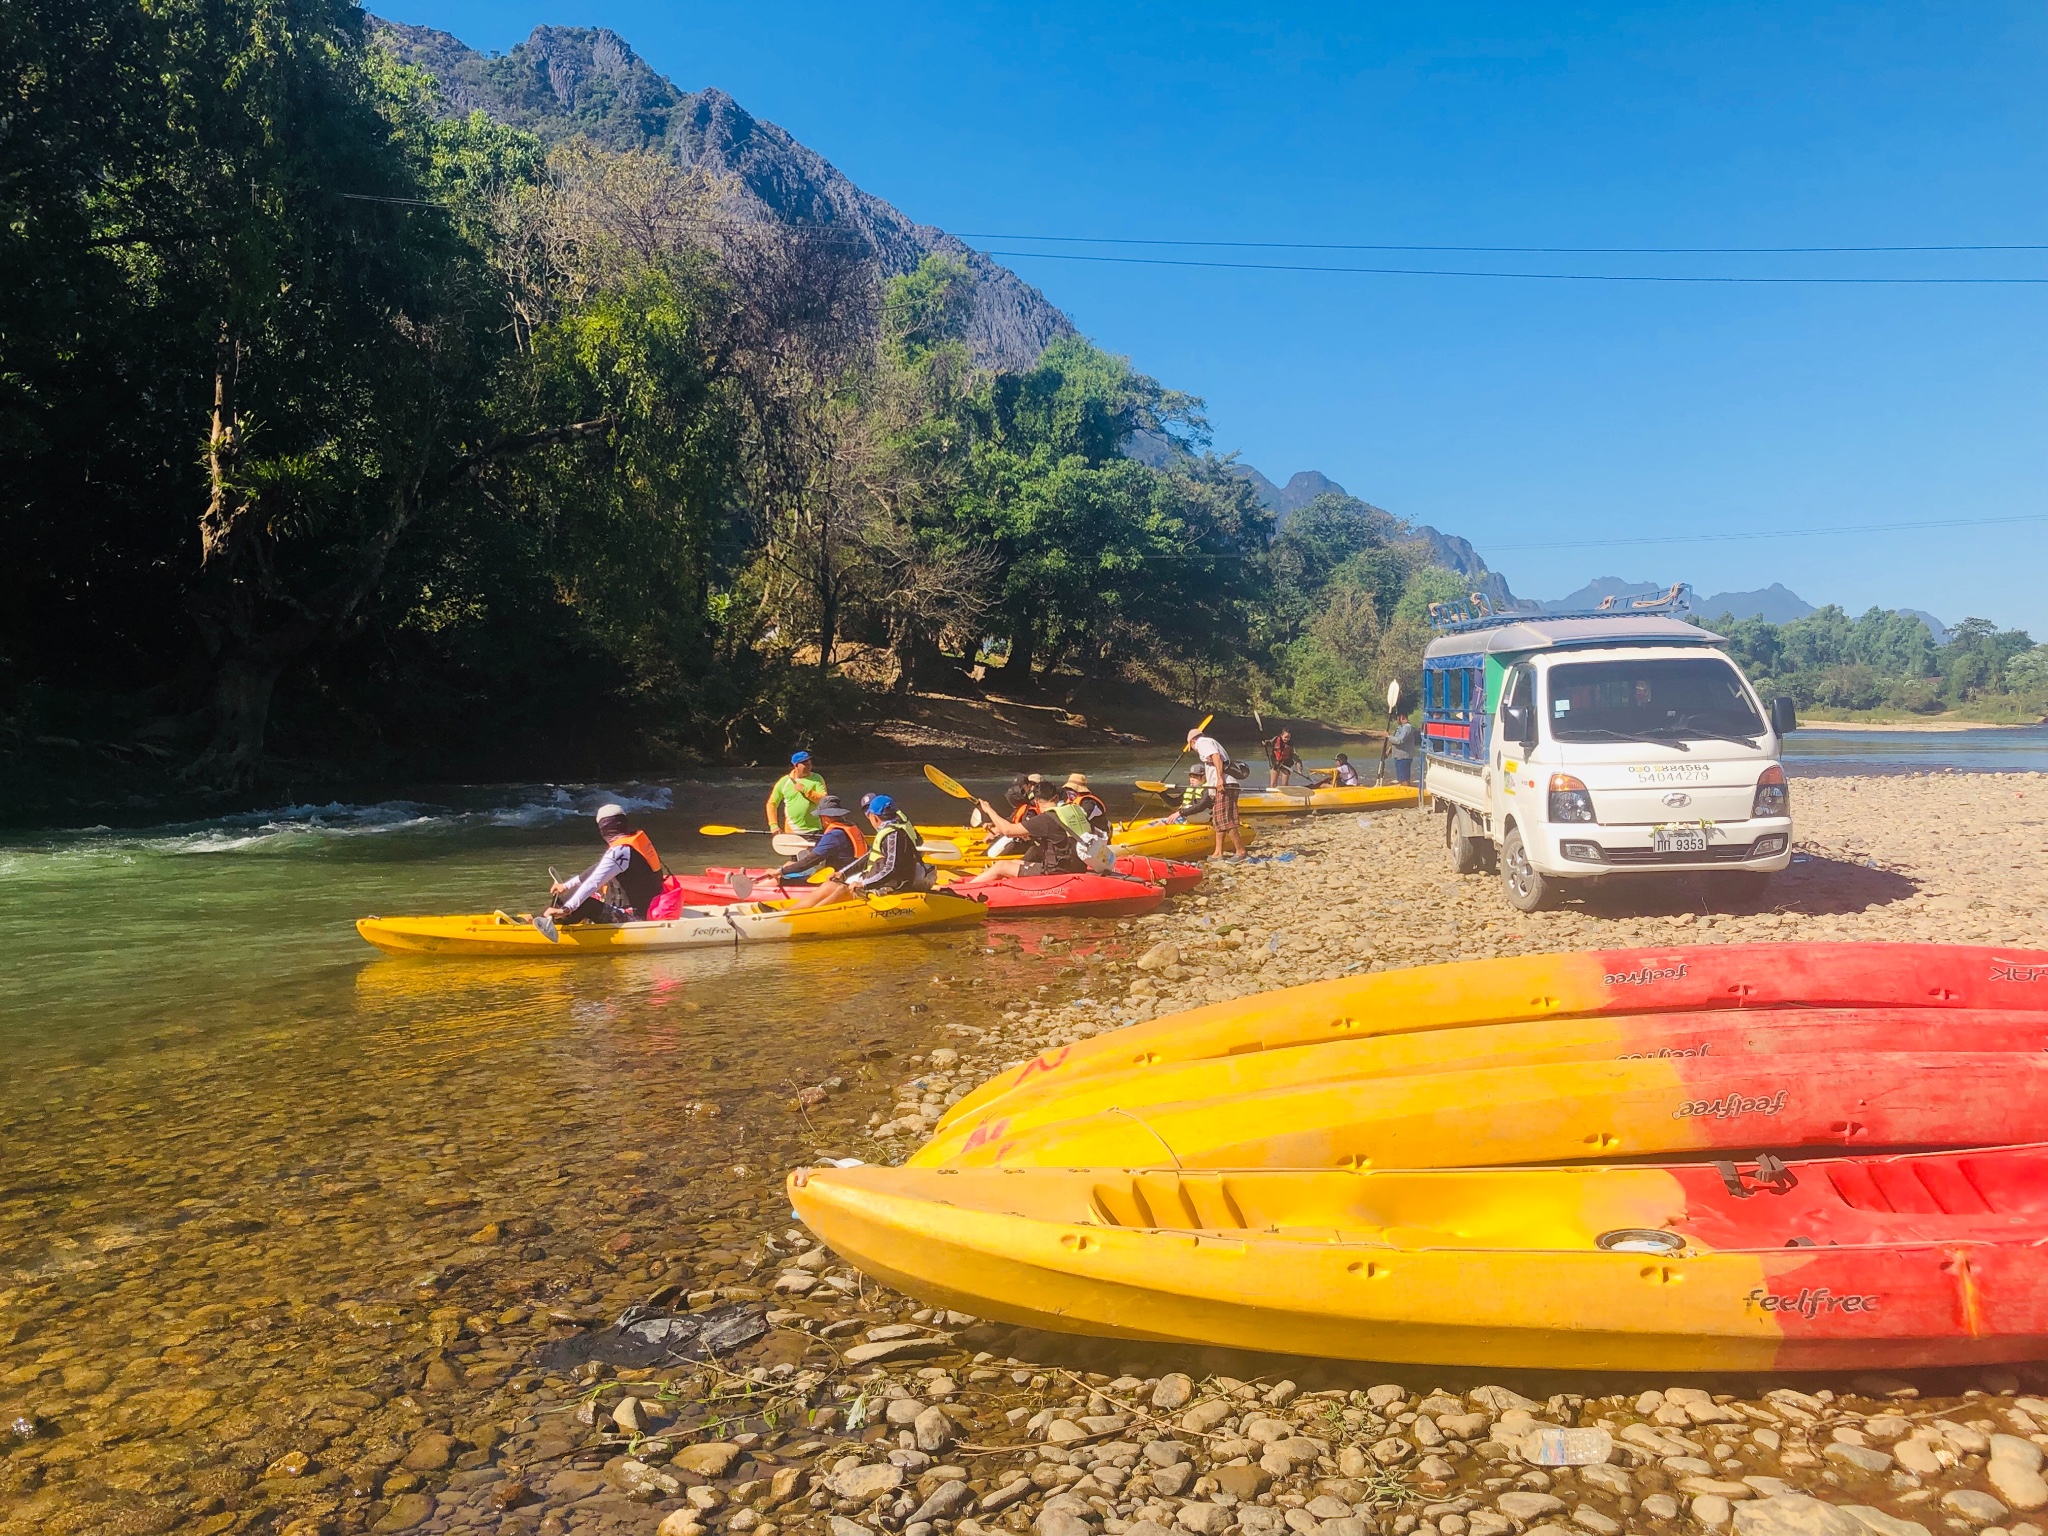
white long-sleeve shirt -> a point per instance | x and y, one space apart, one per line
615 862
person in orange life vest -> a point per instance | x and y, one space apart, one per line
841 845
1091 803
629 865
893 863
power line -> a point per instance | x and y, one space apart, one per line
1544 277
1515 250
1780 533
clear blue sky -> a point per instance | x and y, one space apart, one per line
1515 413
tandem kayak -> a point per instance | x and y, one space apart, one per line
1555 1112
1830 1264
1079 895
766 922
1258 1092
1287 799
1174 840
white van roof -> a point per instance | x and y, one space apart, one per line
1518 635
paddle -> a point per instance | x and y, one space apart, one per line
946 782
715 830
742 884
1387 740
1155 786
789 844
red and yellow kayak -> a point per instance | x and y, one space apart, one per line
1832 1264
1303 1088
1730 976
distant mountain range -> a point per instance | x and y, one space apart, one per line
566 82
1776 604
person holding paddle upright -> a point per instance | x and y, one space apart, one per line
1282 761
793 800
1225 779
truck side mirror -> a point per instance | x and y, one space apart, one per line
1520 729
1784 717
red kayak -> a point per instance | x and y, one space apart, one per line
1064 895
1178 878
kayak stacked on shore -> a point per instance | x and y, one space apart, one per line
1759 1156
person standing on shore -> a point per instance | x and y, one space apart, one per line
793 800
1403 740
1223 785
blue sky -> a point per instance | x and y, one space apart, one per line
1515 413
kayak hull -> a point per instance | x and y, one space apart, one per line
1284 801
1065 896
1865 1262
1179 840
1691 1046
1176 876
1668 1107
490 933
1587 982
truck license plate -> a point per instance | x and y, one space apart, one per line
1679 840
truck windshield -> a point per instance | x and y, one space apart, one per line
1656 698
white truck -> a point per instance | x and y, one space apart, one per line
1601 745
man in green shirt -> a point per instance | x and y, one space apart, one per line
793 802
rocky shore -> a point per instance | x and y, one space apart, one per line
858 1412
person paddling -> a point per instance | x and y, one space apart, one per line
892 864
1091 803
1038 822
840 846
793 799
629 865
1282 761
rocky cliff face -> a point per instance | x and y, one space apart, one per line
567 82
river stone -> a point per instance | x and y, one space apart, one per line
1242 1482
1327 1507
1491 1522
1064 1432
1917 1456
1791 1514
1147 1528
429 1453
902 1412
948 1501
1593 1520
1611 1478
1200 1519
1977 1508
1347 1525
1173 1481
880 1350
1862 1458
1713 1510
711 1459
1266 1431
1165 1453
1523 1506
841 1526
2015 1471
1003 1497
1500 1400
679 1522
406 1511
640 1481
1204 1417
933 1429
863 1483
1171 1394
1661 1506
1878 1523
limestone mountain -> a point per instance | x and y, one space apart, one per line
569 82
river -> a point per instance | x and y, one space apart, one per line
259 1178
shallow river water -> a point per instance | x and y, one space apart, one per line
255 1174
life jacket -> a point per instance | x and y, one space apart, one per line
641 880
1191 794
1074 818
1098 813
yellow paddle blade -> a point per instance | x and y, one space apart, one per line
1205 722
947 783
718 831
1153 786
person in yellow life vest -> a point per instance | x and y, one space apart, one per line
793 801
1091 803
629 867
1195 800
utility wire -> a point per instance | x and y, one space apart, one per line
1515 250
1779 533
1545 277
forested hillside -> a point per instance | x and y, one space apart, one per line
345 429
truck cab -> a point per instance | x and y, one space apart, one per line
1598 746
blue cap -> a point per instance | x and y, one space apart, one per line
798 757
881 805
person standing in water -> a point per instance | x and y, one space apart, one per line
793 800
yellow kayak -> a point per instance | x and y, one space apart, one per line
1181 840
761 922
1137 1106
1554 1112
1690 1267
1287 800
1499 991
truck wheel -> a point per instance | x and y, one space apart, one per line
1466 855
1527 888
1738 887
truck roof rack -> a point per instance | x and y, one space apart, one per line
1474 612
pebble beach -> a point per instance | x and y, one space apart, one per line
853 1411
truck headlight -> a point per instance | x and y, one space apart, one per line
1773 795
1569 799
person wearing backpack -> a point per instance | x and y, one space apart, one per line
1226 777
